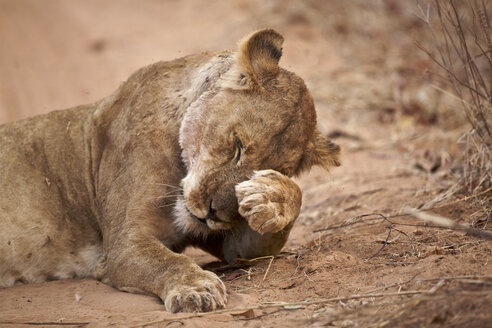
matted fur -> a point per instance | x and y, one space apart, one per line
193 152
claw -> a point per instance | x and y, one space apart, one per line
206 294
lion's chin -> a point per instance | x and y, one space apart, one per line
218 225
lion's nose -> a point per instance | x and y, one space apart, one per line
193 197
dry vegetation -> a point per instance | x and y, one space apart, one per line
463 42
414 124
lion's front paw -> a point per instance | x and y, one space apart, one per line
269 201
196 291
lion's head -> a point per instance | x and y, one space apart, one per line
259 116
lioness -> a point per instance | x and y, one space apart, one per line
197 151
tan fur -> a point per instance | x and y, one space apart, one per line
193 152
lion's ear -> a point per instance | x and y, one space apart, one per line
259 54
321 152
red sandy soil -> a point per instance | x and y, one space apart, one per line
373 97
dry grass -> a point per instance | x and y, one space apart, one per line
463 51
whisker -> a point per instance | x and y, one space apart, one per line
164 184
169 196
166 205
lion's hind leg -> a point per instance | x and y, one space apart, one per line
38 242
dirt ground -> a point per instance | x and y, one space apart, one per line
374 97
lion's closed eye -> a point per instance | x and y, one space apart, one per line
239 147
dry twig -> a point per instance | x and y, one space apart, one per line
352 221
450 224
384 244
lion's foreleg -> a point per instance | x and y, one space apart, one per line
136 260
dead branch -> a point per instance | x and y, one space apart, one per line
449 71
448 223
355 220
400 284
384 244
359 219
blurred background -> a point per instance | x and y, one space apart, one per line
365 62
57 54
